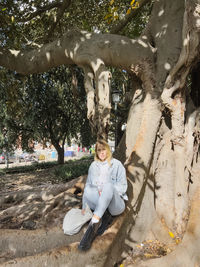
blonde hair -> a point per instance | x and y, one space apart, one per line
107 147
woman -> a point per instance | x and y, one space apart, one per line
105 188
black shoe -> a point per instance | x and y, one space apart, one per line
107 219
89 236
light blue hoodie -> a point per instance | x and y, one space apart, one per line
116 175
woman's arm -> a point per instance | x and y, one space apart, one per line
88 182
121 181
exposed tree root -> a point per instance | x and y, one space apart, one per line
42 206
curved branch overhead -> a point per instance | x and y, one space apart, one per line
60 13
81 48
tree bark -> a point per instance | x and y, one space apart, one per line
61 158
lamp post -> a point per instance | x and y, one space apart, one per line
116 100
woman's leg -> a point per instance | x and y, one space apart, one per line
117 204
110 199
91 196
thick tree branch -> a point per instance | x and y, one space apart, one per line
103 107
80 48
90 91
61 11
74 82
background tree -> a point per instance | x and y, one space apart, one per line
45 109
9 132
160 147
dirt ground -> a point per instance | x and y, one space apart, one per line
35 200
22 181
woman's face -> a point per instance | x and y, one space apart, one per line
101 152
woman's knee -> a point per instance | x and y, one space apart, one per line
87 190
117 205
109 188
90 191
116 211
91 194
107 193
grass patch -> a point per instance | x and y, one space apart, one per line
73 169
29 168
66 172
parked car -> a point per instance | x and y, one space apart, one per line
26 157
2 159
11 158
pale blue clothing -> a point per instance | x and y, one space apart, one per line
103 175
111 180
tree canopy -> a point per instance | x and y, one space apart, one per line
37 22
32 24
45 108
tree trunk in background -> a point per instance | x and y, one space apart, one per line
60 151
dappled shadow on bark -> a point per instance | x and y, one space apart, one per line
195 95
120 152
132 208
146 179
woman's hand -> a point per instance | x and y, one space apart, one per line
83 211
100 188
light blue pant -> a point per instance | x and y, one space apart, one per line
109 198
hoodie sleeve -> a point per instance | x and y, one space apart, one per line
88 182
91 174
121 181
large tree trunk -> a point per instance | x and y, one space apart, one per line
160 147
162 154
